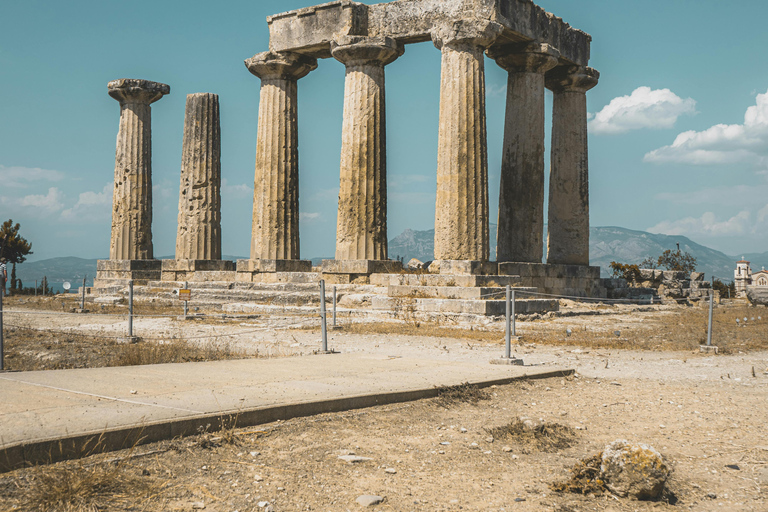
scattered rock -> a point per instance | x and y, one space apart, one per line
369 500
635 470
198 505
415 264
506 449
352 459
391 471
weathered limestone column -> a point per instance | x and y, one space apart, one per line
199 229
521 193
568 220
361 232
132 195
275 231
461 211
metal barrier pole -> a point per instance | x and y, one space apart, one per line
711 307
82 297
2 350
35 287
508 345
186 302
322 316
512 304
334 306
130 308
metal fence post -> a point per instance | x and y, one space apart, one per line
322 316
2 349
82 297
512 304
130 308
508 344
186 302
334 306
711 307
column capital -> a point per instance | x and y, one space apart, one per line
525 57
134 90
285 65
466 33
572 79
360 50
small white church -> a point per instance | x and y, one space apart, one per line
744 277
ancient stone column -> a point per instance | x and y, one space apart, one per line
361 232
461 211
275 231
132 195
199 229
568 219
521 193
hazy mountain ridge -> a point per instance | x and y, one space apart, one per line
607 244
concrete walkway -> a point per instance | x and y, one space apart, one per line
52 415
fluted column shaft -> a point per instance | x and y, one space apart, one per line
521 192
361 232
275 229
199 226
132 195
568 218
461 211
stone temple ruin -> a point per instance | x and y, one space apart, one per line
537 49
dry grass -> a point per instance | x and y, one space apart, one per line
467 393
31 349
174 351
684 328
544 437
419 329
97 482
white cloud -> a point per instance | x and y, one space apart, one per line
20 177
708 224
309 216
722 143
37 204
90 206
643 108
241 191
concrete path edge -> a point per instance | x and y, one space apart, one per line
48 451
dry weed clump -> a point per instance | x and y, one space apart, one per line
81 487
421 329
585 478
544 437
173 351
448 396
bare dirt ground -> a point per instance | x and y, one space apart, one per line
705 413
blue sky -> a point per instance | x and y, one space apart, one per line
678 138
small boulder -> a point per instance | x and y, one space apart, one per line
434 267
757 295
635 470
368 500
415 264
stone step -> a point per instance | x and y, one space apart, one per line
476 307
466 281
451 292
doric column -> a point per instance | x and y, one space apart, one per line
275 230
132 195
361 232
199 230
461 211
521 192
568 219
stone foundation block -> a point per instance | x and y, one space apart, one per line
197 265
128 265
367 267
468 267
274 266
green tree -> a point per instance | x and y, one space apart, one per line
13 247
677 260
629 272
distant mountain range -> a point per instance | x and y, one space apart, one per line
606 244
